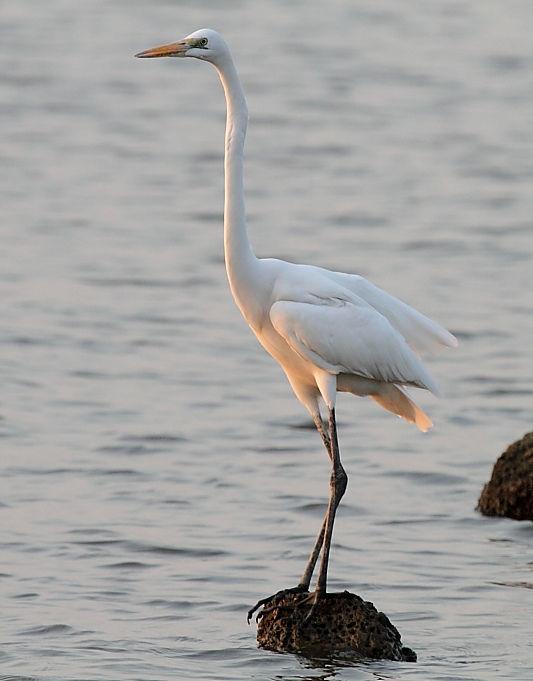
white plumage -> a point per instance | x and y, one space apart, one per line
330 331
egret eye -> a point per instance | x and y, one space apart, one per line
202 42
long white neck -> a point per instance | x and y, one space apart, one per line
240 259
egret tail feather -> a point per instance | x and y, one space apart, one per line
395 399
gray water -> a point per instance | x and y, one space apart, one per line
158 475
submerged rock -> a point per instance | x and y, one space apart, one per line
509 492
343 622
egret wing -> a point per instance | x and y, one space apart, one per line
348 336
422 334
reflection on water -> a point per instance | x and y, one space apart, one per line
159 475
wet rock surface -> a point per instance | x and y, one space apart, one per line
509 492
343 622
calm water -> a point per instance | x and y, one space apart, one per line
157 472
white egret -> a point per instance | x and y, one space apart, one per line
330 331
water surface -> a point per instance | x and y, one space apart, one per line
157 472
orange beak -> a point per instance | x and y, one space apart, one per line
171 50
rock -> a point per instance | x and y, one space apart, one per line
509 492
342 622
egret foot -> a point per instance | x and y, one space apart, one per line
314 599
339 622
273 602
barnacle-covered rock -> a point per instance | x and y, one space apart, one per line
342 622
509 492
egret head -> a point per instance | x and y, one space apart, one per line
204 44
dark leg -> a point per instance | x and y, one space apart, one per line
305 579
338 482
324 434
